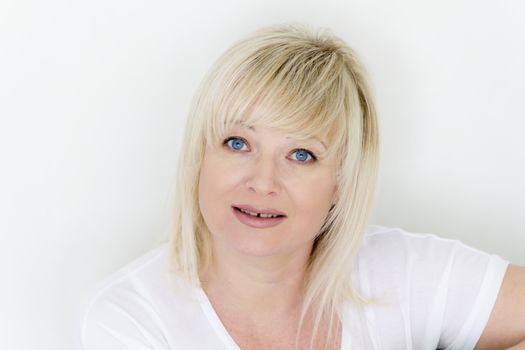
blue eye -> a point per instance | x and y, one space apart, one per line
302 156
235 143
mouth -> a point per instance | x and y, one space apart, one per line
256 219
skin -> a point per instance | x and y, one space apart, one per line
506 326
252 265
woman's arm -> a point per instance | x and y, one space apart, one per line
506 325
520 346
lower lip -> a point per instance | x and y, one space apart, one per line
256 222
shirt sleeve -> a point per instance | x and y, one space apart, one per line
473 285
433 292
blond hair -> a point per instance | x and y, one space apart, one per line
305 83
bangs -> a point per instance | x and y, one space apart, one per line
301 90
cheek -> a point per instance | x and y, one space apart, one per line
313 200
216 180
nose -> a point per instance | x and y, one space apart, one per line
263 179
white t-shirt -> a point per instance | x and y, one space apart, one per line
429 293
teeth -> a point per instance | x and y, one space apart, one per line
258 215
267 216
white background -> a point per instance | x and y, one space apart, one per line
93 97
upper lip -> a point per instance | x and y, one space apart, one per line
257 210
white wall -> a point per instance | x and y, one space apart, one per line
93 96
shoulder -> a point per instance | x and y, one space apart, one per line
121 311
399 246
400 254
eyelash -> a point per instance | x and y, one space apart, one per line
227 140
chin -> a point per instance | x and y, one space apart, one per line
261 247
254 247
260 252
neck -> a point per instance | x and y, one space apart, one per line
263 286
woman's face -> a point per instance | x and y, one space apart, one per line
263 170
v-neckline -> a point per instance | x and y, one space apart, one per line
222 332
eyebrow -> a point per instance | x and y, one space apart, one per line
252 128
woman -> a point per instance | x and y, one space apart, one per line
271 247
